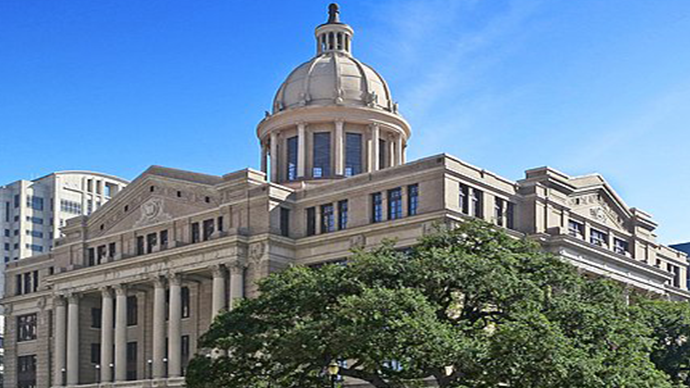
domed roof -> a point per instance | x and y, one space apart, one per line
333 78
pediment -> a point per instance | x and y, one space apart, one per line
600 207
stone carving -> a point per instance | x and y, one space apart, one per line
256 251
598 214
358 241
152 212
602 212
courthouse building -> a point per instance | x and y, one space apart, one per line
123 297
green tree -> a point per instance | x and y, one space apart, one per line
670 325
468 307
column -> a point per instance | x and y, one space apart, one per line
264 157
236 282
73 339
120 333
374 149
174 332
274 157
301 150
106 334
391 152
158 345
339 148
399 151
218 298
60 339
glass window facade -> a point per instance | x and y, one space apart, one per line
322 155
412 200
327 218
292 158
395 210
376 207
353 154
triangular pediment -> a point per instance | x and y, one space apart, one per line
153 198
602 205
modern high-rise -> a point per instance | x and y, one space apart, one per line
33 211
125 294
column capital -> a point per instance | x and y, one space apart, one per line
72 297
175 278
374 125
158 281
58 300
218 270
120 289
237 266
302 124
339 121
106 292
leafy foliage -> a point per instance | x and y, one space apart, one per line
468 307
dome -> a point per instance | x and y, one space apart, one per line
333 78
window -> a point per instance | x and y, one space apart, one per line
26 371
151 242
477 203
35 281
19 285
27 283
95 353
376 207
16 200
463 199
675 270
131 361
185 351
353 154
34 247
284 222
292 158
395 204
7 233
100 254
510 215
576 229
311 221
597 237
26 327
35 220
208 229
327 218
322 155
195 232
89 206
132 310
112 250
7 212
220 223
382 153
96 318
412 199
620 246
140 245
164 239
35 203
342 214
186 310
34 233
498 211
71 207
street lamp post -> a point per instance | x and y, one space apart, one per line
64 376
98 373
165 362
333 370
150 362
112 371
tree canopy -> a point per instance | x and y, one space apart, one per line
467 307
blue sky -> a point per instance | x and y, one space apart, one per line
582 86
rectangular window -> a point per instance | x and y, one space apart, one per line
322 155
620 246
208 229
597 237
71 207
292 158
675 270
140 245
382 153
311 221
26 327
35 203
151 242
498 211
34 248
26 371
576 229
185 351
510 215
91 258
131 361
342 214
95 353
220 223
477 203
412 199
395 204
284 222
16 200
100 254
19 284
96 318
112 250
196 235
35 220
7 212
35 282
34 233
376 207
463 199
132 311
327 218
164 239
27 283
186 308
353 154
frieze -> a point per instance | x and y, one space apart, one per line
601 212
152 211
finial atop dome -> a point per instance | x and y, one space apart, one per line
333 13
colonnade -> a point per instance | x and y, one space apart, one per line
113 365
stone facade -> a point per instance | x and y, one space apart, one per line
128 290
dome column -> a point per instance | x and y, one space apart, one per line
399 153
339 149
274 157
301 150
391 152
373 164
264 158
